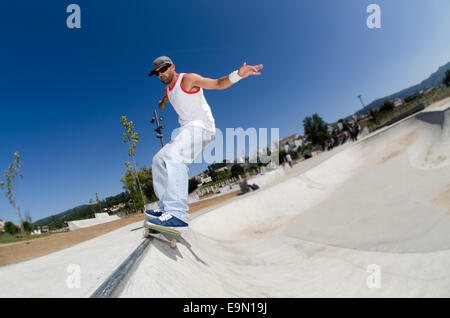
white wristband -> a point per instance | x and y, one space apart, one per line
234 77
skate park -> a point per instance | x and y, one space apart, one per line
378 207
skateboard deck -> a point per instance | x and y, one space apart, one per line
155 232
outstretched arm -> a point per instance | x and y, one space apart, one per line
193 81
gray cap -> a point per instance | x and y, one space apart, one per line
159 61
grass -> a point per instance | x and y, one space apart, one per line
432 97
5 238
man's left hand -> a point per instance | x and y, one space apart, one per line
247 70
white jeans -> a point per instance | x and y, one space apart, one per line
170 168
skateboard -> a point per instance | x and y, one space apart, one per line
156 233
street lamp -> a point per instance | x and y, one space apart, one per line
360 99
158 127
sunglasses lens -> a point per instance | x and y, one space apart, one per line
162 69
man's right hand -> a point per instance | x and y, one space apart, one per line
162 102
161 105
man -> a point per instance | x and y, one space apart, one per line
170 164
289 160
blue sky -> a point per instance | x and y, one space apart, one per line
62 91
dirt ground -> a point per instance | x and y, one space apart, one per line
22 251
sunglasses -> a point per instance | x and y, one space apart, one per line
162 69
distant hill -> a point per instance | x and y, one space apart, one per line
61 217
83 211
434 80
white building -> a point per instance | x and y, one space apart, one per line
206 180
36 232
290 143
2 225
397 102
225 168
115 208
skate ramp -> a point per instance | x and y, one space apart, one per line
387 193
402 201
100 218
76 271
320 231
383 201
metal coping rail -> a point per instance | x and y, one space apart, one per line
111 287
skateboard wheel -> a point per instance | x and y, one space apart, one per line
173 243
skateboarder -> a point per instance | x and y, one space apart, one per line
170 165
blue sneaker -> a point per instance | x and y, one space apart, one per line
152 214
166 222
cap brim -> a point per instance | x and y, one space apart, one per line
154 71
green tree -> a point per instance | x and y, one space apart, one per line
316 130
387 106
129 181
132 138
146 177
446 80
212 174
76 215
294 155
53 223
237 170
10 177
253 169
28 227
99 204
282 154
375 114
11 228
92 208
193 183
223 175
305 151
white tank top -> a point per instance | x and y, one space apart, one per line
191 107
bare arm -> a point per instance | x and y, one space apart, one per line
193 81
